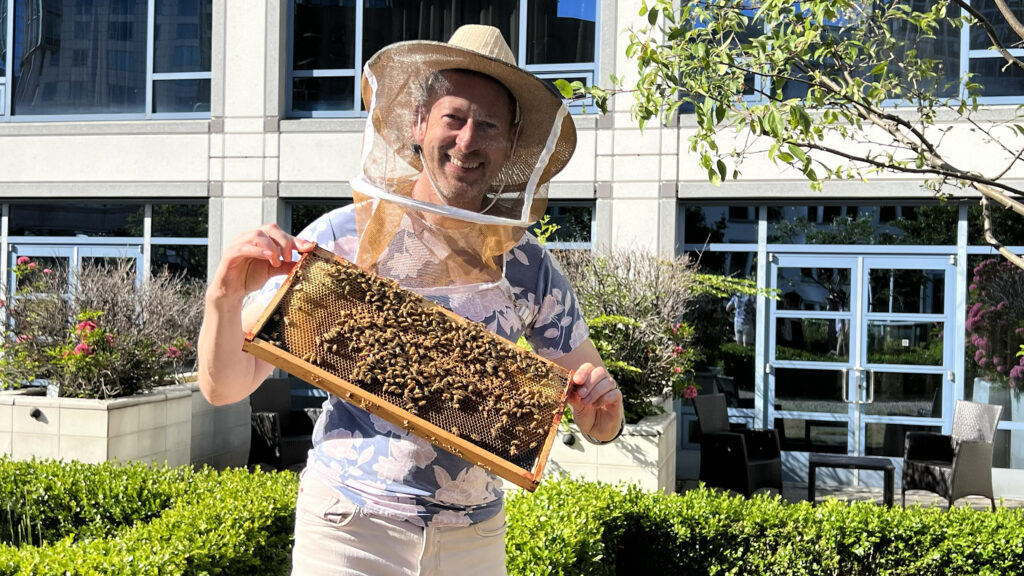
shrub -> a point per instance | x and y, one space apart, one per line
573 527
108 338
995 322
128 520
634 302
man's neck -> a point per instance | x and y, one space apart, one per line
424 191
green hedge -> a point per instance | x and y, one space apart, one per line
72 518
83 519
572 527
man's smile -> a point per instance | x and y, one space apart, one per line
465 165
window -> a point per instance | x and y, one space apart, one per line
177 235
109 69
330 40
575 225
302 213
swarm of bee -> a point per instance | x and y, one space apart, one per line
394 344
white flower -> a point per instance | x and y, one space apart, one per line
471 488
384 427
451 518
580 332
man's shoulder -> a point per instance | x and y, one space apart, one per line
528 252
337 223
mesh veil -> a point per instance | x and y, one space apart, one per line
429 245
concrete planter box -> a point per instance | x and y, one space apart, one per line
644 455
173 424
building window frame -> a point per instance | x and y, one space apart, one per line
152 78
588 71
145 242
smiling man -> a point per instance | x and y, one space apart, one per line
458 149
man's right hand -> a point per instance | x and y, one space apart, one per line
252 258
226 373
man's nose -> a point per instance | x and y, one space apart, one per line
470 137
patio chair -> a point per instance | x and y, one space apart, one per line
958 464
743 461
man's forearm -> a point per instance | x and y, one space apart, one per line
226 373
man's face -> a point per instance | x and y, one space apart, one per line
466 139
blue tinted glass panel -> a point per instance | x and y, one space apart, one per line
996 78
560 31
1007 37
74 219
109 79
182 36
181 96
325 35
313 94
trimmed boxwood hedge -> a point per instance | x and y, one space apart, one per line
573 527
73 518
85 519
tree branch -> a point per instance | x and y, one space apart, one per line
990 32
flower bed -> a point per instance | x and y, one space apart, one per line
106 337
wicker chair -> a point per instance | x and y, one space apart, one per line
958 464
743 461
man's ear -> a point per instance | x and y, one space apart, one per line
419 126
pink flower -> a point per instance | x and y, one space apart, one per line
679 350
83 349
86 326
110 339
24 338
677 370
47 271
24 259
173 352
690 392
31 265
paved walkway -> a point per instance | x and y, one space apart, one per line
797 492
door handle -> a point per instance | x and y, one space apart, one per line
871 387
844 385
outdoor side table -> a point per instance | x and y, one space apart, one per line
816 461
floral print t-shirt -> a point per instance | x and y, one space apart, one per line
384 469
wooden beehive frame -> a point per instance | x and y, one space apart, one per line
439 436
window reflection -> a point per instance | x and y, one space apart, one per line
47 77
560 31
907 291
897 342
863 225
76 219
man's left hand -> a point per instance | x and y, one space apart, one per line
596 402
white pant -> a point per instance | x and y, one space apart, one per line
333 536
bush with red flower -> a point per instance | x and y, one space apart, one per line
995 323
109 337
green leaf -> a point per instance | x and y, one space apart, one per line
564 88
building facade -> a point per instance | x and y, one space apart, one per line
157 130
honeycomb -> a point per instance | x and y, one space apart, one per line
388 350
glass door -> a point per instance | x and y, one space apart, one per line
856 353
